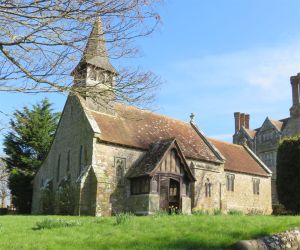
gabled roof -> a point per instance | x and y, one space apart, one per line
137 128
278 124
154 156
250 132
239 159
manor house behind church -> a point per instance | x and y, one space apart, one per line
107 159
264 141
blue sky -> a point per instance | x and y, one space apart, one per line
216 57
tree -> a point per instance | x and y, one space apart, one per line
26 145
42 41
288 173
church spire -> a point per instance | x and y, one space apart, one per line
95 52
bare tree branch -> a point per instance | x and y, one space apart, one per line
42 41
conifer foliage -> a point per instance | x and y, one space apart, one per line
288 173
26 146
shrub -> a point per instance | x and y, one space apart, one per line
122 218
65 200
288 173
234 212
56 223
279 209
47 201
3 211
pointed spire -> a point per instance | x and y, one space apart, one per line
96 43
95 52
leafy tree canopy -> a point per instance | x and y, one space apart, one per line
26 146
288 173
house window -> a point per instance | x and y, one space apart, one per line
208 188
256 183
120 166
230 182
139 185
58 169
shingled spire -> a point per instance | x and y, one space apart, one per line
96 72
95 52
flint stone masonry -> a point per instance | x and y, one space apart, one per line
287 240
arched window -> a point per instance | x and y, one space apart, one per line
208 188
120 166
80 159
68 161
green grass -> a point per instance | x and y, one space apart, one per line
151 232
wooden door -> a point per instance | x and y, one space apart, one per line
164 194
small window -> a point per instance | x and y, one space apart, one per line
120 166
208 188
140 185
256 183
68 161
80 159
58 169
230 182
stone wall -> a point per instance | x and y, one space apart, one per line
204 172
74 131
243 198
112 195
144 204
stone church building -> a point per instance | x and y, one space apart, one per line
110 159
264 141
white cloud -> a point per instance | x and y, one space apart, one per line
266 69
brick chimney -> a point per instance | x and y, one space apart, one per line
247 121
295 109
242 120
237 118
295 89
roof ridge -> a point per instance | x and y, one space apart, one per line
228 143
153 113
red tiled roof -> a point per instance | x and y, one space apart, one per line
238 159
138 128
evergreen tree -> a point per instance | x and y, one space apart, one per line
288 173
26 146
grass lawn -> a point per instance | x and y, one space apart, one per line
149 232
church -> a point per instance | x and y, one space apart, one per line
264 141
107 160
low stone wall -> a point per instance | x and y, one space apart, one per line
287 240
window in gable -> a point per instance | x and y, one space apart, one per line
230 182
